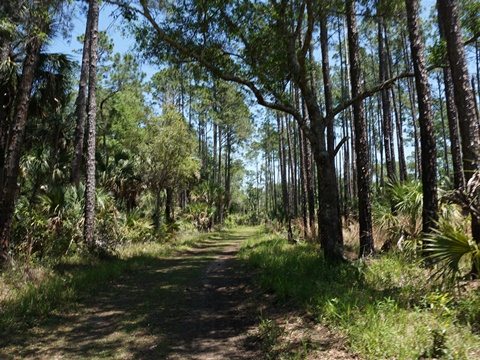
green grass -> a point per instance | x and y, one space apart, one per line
386 307
29 293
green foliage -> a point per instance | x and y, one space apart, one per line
385 307
399 215
448 245
168 153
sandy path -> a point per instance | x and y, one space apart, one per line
194 306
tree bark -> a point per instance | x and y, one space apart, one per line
427 138
452 116
81 110
89 226
464 98
12 163
5 107
411 97
361 145
169 206
283 175
386 107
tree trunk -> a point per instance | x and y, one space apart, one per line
81 110
468 122
169 206
455 143
444 132
427 137
303 185
327 84
353 177
361 146
89 226
309 173
411 97
329 219
386 107
283 175
5 106
228 169
452 116
293 169
12 163
402 164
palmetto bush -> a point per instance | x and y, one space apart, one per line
135 227
49 225
451 244
52 225
447 246
402 221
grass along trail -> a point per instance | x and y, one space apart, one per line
195 305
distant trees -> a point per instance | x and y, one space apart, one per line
168 163
235 44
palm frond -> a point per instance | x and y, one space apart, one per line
447 246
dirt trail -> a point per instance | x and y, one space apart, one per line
194 306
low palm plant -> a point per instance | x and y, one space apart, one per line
451 243
447 246
402 222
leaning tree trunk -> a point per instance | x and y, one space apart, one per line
427 138
81 110
89 226
361 145
12 163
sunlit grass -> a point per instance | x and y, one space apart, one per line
387 307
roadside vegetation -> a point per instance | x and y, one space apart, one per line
396 304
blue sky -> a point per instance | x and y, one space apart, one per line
106 23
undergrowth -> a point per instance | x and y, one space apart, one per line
30 292
386 308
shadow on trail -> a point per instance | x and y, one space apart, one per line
193 306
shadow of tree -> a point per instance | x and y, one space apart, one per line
196 305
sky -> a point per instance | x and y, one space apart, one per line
71 46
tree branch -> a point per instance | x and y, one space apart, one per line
339 146
207 64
